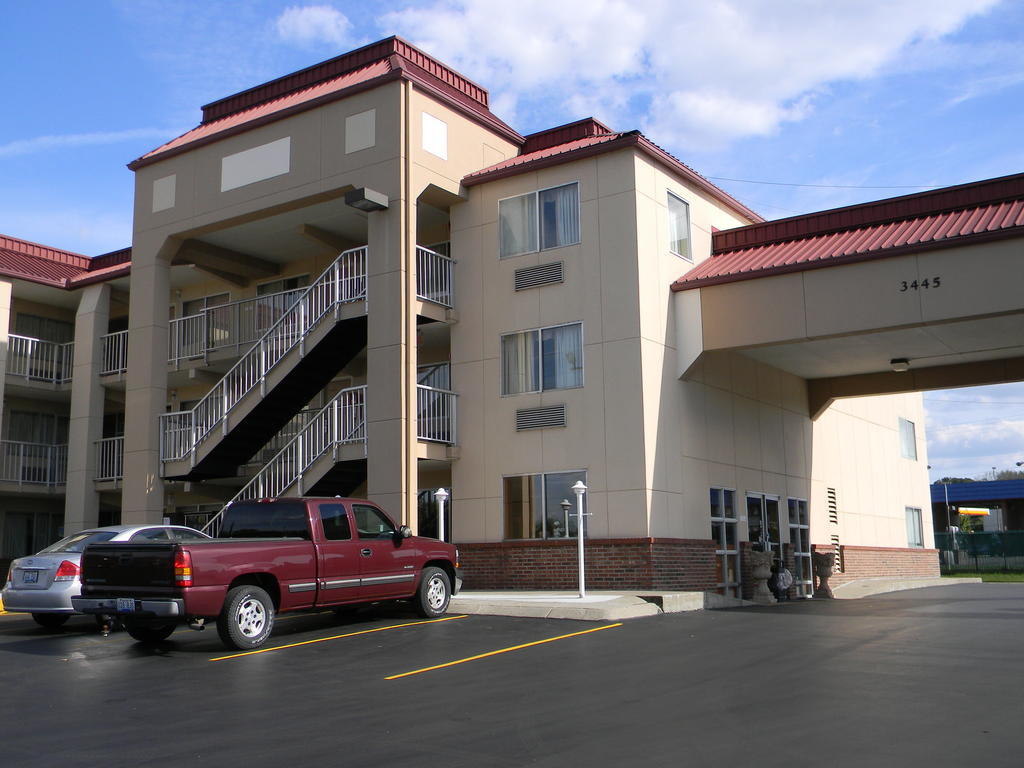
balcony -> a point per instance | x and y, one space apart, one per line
38 360
434 277
240 324
110 459
36 464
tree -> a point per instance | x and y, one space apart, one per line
954 480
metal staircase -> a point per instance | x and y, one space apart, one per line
286 367
333 438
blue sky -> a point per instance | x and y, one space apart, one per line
822 103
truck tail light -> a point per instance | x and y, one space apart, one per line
67 571
183 568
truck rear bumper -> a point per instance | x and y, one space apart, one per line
158 607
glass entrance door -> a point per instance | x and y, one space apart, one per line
763 523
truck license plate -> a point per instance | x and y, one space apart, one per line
125 605
30 577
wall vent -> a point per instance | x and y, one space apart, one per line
540 418
544 274
833 519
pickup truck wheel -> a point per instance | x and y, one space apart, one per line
434 593
247 618
148 633
50 620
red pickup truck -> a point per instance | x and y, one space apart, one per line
271 556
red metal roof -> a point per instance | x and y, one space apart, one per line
984 210
367 67
588 137
24 260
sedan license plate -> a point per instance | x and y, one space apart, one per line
30 577
125 605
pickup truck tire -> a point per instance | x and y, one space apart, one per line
50 620
435 591
148 633
247 618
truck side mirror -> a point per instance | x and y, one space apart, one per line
405 531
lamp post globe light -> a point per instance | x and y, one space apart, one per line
442 496
579 489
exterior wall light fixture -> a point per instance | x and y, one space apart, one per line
900 364
366 199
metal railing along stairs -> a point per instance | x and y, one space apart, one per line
342 421
343 282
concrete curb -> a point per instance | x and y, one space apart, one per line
858 588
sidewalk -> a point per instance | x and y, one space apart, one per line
620 605
596 606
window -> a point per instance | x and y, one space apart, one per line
152 534
195 306
540 220
542 359
800 544
45 328
372 523
915 535
282 285
335 522
180 534
533 505
260 520
908 440
679 227
724 533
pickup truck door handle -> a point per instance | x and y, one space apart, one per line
366 552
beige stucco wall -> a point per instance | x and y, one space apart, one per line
857 452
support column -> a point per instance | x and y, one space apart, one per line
142 498
391 363
5 329
82 500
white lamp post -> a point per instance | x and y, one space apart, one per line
442 496
579 489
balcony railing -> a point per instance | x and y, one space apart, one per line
241 323
33 463
434 277
341 283
39 360
342 421
435 415
114 353
236 324
110 458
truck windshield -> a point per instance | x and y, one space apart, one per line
265 520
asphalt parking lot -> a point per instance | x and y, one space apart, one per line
926 677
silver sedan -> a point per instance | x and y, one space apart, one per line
43 584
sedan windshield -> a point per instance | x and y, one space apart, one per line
76 542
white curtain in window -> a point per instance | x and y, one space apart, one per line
560 212
563 357
517 224
519 358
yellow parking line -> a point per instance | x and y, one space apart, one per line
502 650
336 637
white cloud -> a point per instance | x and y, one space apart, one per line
313 24
705 73
47 143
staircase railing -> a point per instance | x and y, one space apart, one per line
341 283
341 421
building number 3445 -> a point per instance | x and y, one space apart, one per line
933 282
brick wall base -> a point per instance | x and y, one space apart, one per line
878 562
655 564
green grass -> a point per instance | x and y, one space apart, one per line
988 576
